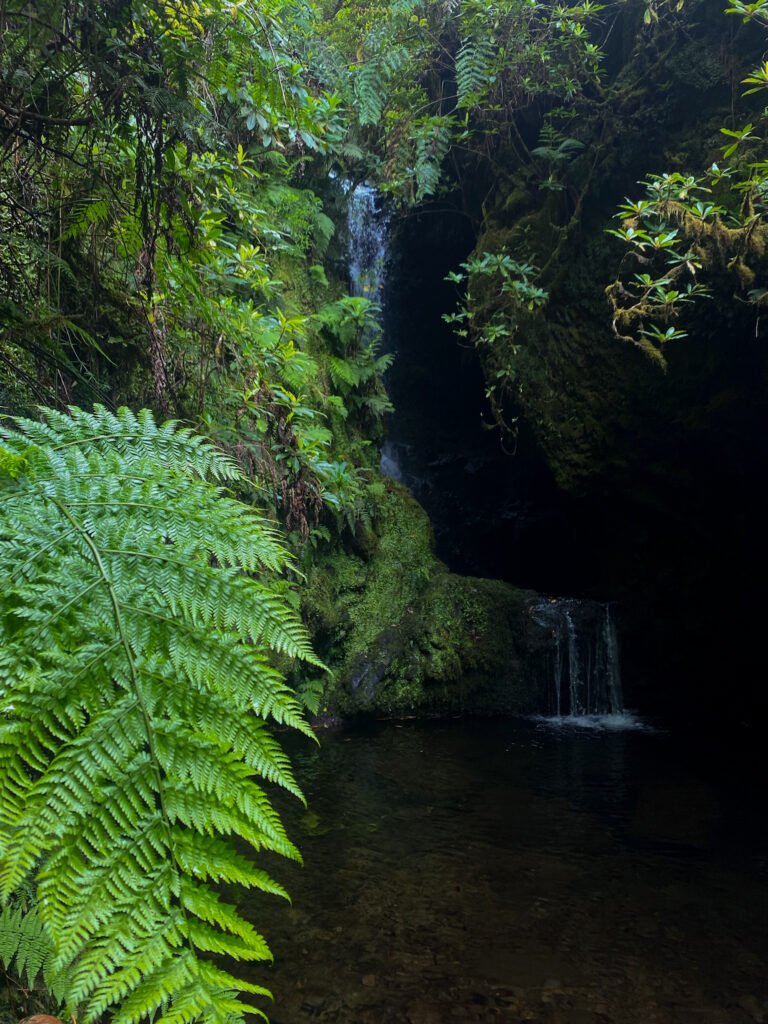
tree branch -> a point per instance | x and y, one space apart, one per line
32 115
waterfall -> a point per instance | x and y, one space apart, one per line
390 461
612 670
367 223
579 658
574 666
368 227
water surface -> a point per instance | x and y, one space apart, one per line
509 871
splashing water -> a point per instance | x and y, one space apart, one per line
580 664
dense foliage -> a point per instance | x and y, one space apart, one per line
692 226
155 225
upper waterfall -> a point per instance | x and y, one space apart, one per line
367 223
368 227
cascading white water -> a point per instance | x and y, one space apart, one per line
580 658
368 224
558 675
368 227
574 665
613 673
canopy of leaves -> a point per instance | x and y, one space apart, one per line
424 76
152 194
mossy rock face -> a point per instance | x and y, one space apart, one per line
586 396
403 634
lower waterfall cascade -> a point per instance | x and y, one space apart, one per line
581 674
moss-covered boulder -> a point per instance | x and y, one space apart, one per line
401 633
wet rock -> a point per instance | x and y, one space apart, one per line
313 1004
757 1009
402 633
422 1012
550 990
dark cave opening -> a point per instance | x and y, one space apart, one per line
676 539
493 504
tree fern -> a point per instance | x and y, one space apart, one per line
137 674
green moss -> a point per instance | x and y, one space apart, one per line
402 633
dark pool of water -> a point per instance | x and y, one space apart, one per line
506 871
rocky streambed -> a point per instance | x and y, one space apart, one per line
513 871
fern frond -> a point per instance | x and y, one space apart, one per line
86 212
369 92
344 373
474 70
138 630
433 137
377 405
26 947
130 436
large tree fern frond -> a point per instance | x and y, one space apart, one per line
138 635
128 435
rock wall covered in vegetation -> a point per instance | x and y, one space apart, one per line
404 634
660 470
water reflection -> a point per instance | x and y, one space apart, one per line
502 871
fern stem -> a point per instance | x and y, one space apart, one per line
153 615
63 608
94 660
165 559
98 437
134 675
41 551
119 504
